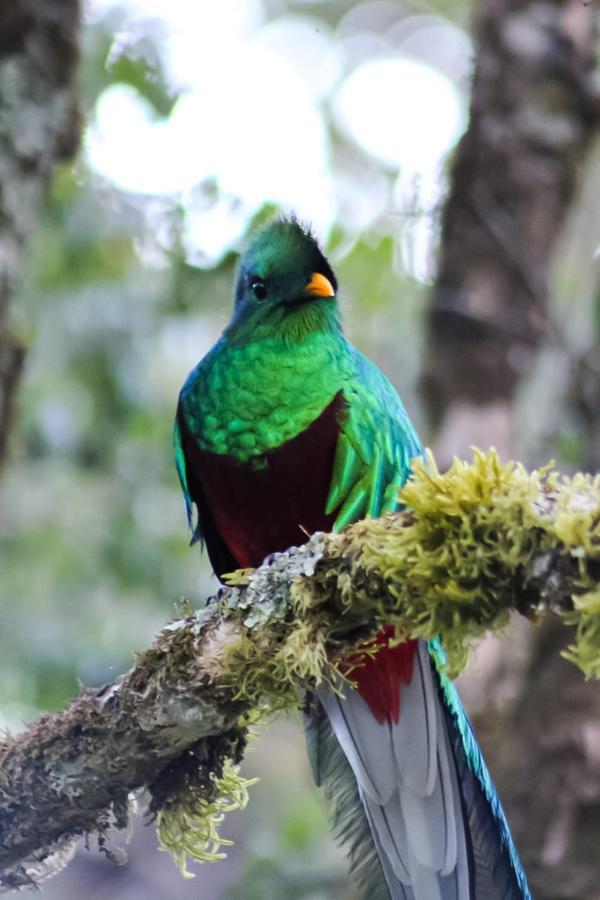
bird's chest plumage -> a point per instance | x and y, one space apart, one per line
265 428
246 401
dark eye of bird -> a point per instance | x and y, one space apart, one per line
258 288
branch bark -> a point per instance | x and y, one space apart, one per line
526 542
39 125
66 773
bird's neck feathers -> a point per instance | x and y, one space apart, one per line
308 322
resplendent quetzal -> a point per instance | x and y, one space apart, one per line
283 429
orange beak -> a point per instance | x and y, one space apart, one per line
318 286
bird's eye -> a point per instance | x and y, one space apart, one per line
257 286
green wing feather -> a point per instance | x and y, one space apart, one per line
180 465
374 450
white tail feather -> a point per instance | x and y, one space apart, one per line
390 835
419 729
360 734
456 841
408 784
429 825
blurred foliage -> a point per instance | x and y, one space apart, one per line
286 866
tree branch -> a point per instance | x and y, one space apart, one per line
474 543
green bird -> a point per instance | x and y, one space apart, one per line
283 429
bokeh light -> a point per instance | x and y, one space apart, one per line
265 107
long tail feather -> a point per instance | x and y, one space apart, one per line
421 802
496 868
332 772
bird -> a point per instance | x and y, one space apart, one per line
283 429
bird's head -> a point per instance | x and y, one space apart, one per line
285 285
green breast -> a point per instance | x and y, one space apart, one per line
246 400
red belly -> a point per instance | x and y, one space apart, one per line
258 511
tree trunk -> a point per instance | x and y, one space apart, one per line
534 111
39 125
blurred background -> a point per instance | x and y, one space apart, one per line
202 119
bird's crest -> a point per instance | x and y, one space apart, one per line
287 237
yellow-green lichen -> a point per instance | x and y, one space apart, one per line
576 525
585 650
192 794
576 515
268 669
462 564
189 828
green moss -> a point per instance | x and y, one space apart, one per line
585 651
577 527
192 795
461 566
193 829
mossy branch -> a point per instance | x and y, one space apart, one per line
473 544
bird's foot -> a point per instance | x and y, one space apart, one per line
239 578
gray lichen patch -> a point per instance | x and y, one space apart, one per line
268 592
42 864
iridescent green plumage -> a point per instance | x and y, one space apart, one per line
243 401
